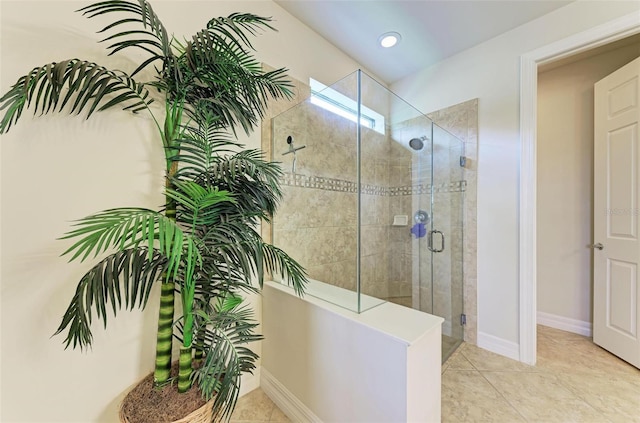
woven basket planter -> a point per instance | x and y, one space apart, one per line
140 404
201 415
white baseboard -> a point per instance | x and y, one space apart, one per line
564 323
499 346
249 382
285 400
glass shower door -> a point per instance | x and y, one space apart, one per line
445 236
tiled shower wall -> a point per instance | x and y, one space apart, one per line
317 220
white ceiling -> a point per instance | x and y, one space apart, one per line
431 29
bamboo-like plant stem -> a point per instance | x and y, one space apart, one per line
164 338
184 375
184 379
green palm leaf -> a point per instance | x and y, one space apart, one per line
221 76
233 28
154 37
277 261
238 246
241 102
255 180
123 277
215 278
50 88
126 228
226 358
200 146
198 205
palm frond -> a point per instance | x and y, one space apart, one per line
227 302
198 205
226 358
50 88
235 245
234 88
123 277
220 274
218 73
200 145
152 38
253 181
233 28
277 261
126 228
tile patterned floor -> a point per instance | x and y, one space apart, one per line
573 381
257 407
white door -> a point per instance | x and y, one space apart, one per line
616 318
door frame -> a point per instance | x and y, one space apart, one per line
609 32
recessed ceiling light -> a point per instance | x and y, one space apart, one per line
389 39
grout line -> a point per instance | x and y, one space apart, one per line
578 393
495 389
503 397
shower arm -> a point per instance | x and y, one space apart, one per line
292 150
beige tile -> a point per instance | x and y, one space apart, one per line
541 397
278 416
616 396
556 354
486 360
254 406
468 397
457 361
557 335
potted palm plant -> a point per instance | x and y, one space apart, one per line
201 247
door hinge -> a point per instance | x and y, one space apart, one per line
463 319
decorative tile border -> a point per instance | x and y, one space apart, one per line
319 182
341 185
457 186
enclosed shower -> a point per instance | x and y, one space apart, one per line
373 200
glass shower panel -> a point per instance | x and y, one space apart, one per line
386 212
445 238
373 196
317 223
409 207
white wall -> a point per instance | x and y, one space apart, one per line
325 363
565 183
490 72
58 168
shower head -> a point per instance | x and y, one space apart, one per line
417 143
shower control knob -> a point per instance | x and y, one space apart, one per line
598 245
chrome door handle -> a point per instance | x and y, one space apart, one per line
599 246
430 242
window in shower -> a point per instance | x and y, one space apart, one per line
335 102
